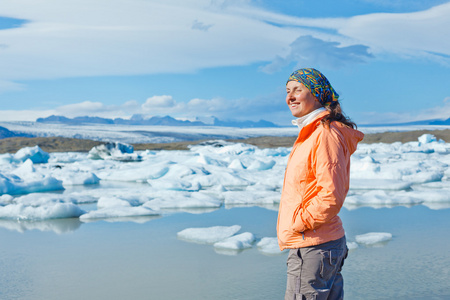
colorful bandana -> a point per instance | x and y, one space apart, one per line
317 84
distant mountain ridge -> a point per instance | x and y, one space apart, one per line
423 122
6 133
156 120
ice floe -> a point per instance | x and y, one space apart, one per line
269 246
208 235
236 242
373 238
209 176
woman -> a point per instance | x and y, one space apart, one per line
315 185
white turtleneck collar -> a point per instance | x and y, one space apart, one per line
305 120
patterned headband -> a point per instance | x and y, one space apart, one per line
317 84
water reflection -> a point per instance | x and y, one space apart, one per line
133 219
230 252
58 226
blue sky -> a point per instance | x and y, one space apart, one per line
388 59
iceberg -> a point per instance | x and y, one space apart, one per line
373 238
35 154
269 246
208 235
115 151
236 242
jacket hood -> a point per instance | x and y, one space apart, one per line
352 136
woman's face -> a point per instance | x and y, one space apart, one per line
300 100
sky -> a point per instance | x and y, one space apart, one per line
389 60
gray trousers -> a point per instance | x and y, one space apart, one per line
315 272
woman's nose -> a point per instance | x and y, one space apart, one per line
289 96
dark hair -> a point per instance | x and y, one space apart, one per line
336 114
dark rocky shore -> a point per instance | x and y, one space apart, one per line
60 144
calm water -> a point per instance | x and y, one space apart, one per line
66 259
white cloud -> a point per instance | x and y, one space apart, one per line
116 37
438 112
161 105
309 51
441 112
24 115
271 108
74 38
201 26
402 35
413 34
8 86
158 102
98 109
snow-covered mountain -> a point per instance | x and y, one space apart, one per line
155 120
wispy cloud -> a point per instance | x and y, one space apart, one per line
310 51
417 34
7 86
84 38
162 105
201 26
270 108
440 112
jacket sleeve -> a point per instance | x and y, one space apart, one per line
330 167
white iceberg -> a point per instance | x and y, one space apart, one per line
208 235
115 151
35 154
269 246
373 238
42 212
118 212
236 242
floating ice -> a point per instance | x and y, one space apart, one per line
180 185
35 154
75 177
251 198
183 201
381 198
211 175
427 138
236 242
269 246
13 184
261 165
208 235
379 184
236 164
372 238
114 151
118 212
352 246
42 212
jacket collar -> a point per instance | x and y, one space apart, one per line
307 129
305 120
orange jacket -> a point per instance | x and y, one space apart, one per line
315 185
